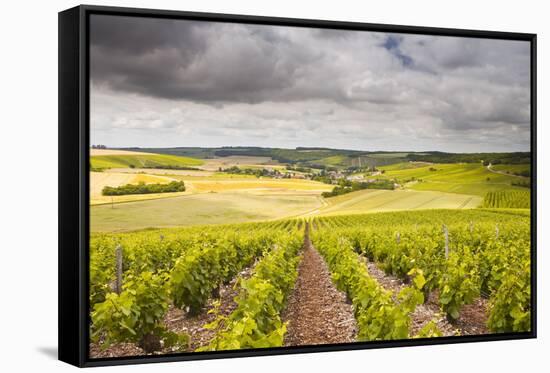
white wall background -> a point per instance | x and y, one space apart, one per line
28 187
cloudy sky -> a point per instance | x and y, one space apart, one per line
162 83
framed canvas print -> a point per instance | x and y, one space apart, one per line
235 186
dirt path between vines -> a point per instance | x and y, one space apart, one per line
317 312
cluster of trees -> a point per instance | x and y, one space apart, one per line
166 167
347 186
142 188
258 172
305 170
323 178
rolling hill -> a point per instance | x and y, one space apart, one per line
142 160
462 178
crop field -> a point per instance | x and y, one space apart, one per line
198 288
222 184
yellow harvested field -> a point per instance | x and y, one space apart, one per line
200 185
99 180
95 152
254 184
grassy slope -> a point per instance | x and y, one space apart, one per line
199 209
334 160
464 178
145 160
511 167
405 166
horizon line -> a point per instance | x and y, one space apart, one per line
306 147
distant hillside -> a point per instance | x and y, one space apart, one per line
319 157
486 158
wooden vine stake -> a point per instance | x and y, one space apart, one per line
118 283
398 237
446 234
471 227
496 231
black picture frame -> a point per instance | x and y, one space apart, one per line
74 143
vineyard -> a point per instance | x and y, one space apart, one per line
412 274
507 199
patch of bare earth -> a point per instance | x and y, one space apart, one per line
115 350
178 321
472 320
317 313
473 317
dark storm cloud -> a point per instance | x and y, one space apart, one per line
194 60
247 81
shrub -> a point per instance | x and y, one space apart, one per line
142 188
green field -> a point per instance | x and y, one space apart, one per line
388 200
145 160
462 178
517 169
335 160
199 209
